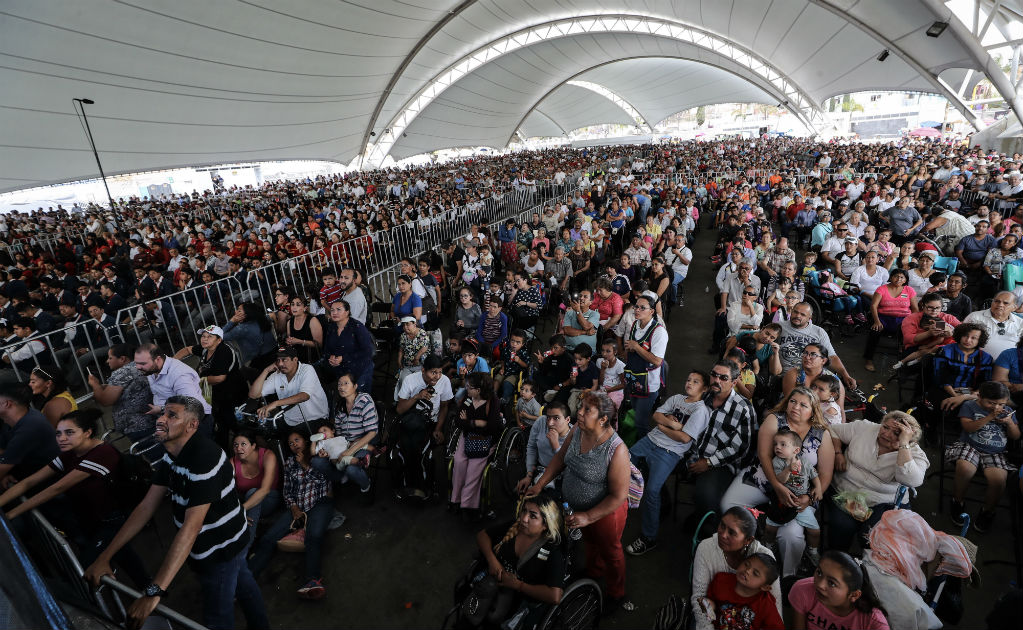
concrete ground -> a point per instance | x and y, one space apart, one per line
393 565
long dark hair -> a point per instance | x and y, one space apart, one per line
857 579
255 314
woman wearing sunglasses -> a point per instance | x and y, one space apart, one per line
745 314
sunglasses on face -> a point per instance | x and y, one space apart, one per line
721 377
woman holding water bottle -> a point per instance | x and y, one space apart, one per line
594 462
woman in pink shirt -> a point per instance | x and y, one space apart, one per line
892 303
839 595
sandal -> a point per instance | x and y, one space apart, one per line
869 366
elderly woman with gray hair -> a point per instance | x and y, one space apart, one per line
879 458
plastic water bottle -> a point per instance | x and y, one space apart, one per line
574 533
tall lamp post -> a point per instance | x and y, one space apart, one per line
79 105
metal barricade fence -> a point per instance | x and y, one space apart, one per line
72 351
61 559
383 282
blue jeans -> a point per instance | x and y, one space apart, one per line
270 502
221 583
660 463
365 381
644 408
358 474
317 519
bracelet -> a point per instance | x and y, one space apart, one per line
905 446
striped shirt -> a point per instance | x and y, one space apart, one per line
92 499
359 421
329 295
201 474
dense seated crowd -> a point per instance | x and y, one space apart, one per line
812 241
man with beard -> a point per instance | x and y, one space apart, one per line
170 377
725 446
210 520
798 332
353 295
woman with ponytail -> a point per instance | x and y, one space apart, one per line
734 541
527 564
839 595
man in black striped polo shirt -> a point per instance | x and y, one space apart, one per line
209 517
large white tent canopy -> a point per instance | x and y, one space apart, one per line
186 82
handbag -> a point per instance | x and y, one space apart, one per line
636 486
476 445
206 389
293 542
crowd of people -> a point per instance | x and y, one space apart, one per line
263 418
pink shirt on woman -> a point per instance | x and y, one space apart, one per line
803 599
895 306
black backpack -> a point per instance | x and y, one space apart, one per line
131 480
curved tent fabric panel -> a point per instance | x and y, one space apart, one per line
793 34
540 125
188 82
573 107
478 103
660 87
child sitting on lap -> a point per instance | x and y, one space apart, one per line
743 599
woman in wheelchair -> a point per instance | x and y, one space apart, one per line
479 419
526 565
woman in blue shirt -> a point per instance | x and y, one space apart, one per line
348 346
406 302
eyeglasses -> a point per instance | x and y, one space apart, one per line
1001 328
841 230
749 294
815 355
642 308
720 377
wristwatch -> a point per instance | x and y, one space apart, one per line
154 590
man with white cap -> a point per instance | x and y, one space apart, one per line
221 366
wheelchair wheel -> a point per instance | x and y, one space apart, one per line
511 458
579 609
817 311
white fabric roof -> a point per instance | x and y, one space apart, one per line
184 82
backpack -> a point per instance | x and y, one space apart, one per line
131 480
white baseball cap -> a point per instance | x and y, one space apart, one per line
213 330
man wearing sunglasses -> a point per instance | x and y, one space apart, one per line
1003 328
725 446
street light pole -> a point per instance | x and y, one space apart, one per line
82 102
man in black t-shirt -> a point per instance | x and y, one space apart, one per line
27 442
210 521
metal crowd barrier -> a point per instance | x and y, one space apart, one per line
74 351
62 560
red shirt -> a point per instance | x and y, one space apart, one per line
607 307
735 612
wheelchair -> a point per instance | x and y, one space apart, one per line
830 311
506 463
579 609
